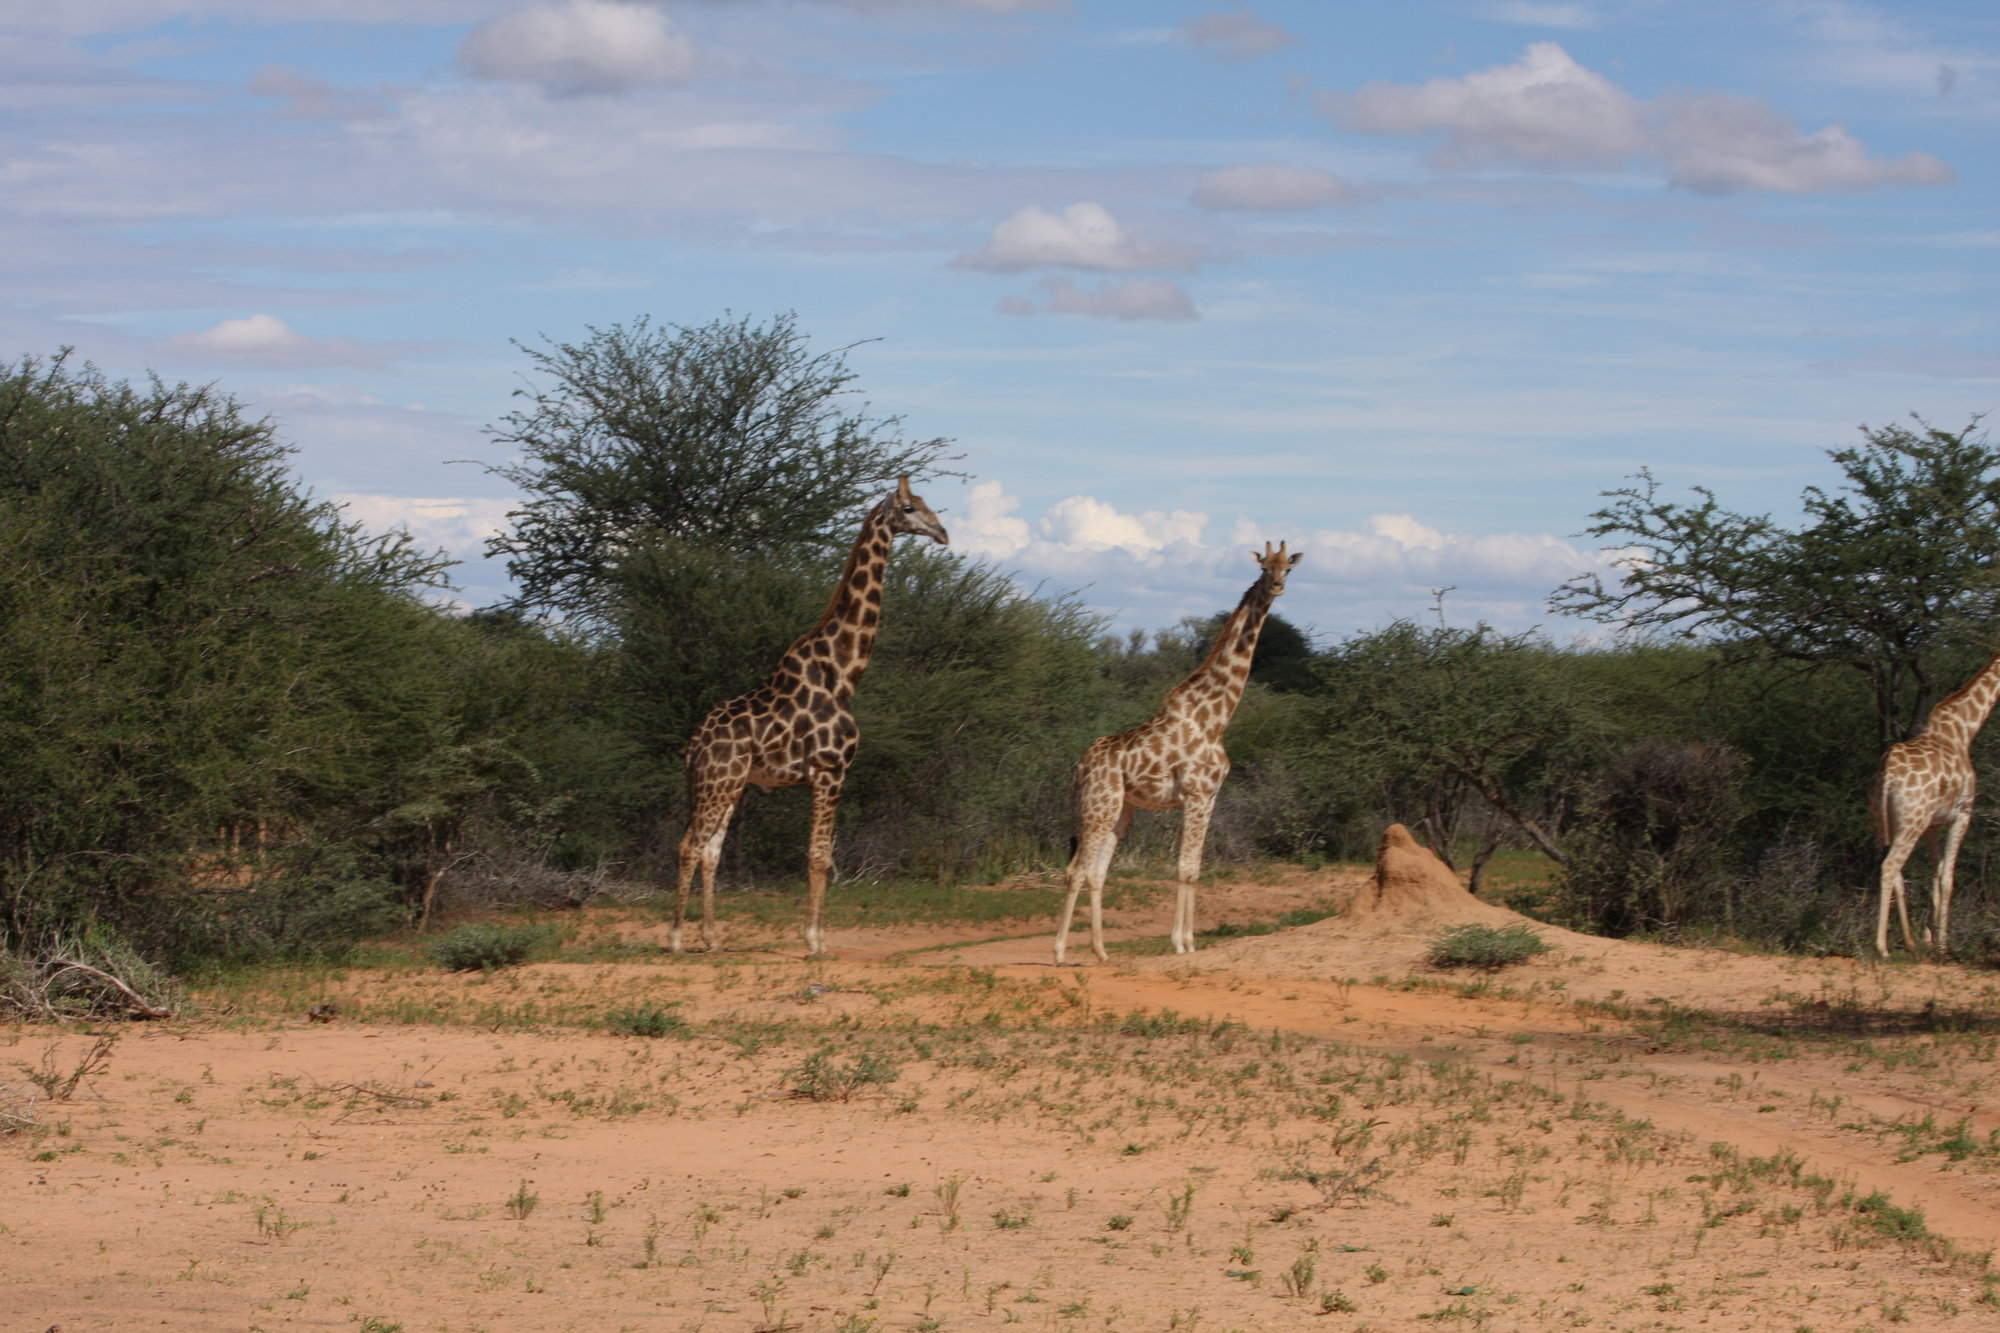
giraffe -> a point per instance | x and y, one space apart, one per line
798 726
1927 784
1175 759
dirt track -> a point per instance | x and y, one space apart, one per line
1526 1160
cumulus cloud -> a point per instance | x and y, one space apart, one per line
1150 568
1270 187
1718 144
457 524
1132 298
269 341
1084 236
1546 110
1233 35
578 48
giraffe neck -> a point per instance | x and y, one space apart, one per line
1222 676
844 638
1959 716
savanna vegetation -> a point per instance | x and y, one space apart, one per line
235 726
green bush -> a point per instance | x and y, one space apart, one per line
646 1020
1488 947
487 946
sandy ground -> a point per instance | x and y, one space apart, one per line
1311 1129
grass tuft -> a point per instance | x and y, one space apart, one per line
1487 947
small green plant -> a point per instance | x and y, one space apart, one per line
646 1020
947 1197
1119 1222
1007 1221
1179 1206
821 1078
58 1084
1335 1301
486 946
1298 1279
1489 948
522 1202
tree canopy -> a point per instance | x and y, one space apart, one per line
1891 566
727 438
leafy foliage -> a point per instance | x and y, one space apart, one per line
647 1020
725 440
1486 947
488 946
1896 563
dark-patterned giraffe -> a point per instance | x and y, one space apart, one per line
798 726
1175 759
1927 783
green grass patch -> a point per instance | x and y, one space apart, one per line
1489 948
487 946
647 1020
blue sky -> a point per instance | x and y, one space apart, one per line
1404 285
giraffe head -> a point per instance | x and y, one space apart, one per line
909 513
1276 564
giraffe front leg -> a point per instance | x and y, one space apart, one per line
819 856
1195 811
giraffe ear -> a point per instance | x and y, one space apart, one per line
1295 560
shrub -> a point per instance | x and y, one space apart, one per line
487 946
1488 947
646 1020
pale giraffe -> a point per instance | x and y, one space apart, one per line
1175 759
798 726
1927 783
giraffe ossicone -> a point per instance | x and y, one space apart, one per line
1175 759
797 728
1926 785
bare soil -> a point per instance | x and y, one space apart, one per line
1308 1129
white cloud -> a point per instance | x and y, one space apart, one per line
1082 522
1150 568
1544 108
1718 144
268 340
1548 111
1131 298
580 47
1084 236
1268 186
1233 35
459 524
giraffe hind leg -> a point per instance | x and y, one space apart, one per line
1941 882
1194 834
819 856
1893 861
701 848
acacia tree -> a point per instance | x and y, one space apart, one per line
731 438
1449 718
1895 564
198 660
